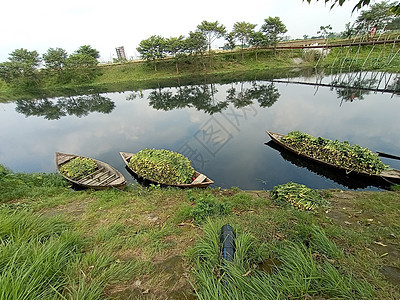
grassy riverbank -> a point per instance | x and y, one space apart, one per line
152 243
223 67
138 75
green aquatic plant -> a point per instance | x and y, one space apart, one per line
341 154
297 195
162 166
78 168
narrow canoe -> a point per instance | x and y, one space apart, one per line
392 176
105 176
200 180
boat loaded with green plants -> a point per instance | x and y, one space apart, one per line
340 155
165 168
88 172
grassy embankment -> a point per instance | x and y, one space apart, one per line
225 67
141 75
152 243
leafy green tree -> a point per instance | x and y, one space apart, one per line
325 31
22 68
394 25
258 40
211 31
243 31
196 44
176 47
348 31
88 50
80 68
152 49
272 29
80 60
230 41
54 59
378 14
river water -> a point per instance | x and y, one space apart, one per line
219 127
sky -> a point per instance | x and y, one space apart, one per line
104 25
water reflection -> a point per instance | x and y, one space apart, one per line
79 106
355 90
203 97
220 127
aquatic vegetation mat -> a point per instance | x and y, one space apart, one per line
341 154
162 166
297 195
78 168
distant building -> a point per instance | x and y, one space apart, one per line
121 52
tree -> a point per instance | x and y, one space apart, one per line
88 50
176 47
272 28
211 31
258 40
242 31
394 25
152 49
348 31
196 44
54 59
378 14
230 41
325 31
21 67
79 68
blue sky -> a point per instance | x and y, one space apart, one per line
43 24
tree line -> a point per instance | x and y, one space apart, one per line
56 65
199 41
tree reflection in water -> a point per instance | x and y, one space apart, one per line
204 97
73 105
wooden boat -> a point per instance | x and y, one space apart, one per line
105 176
392 176
200 180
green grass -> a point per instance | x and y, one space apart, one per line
297 273
155 243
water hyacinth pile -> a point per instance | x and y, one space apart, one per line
162 166
341 154
78 168
297 195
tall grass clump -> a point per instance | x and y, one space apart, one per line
298 271
34 254
42 258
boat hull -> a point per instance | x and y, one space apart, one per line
105 176
200 181
391 176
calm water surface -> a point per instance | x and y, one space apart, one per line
220 127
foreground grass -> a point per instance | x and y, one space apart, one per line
152 243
